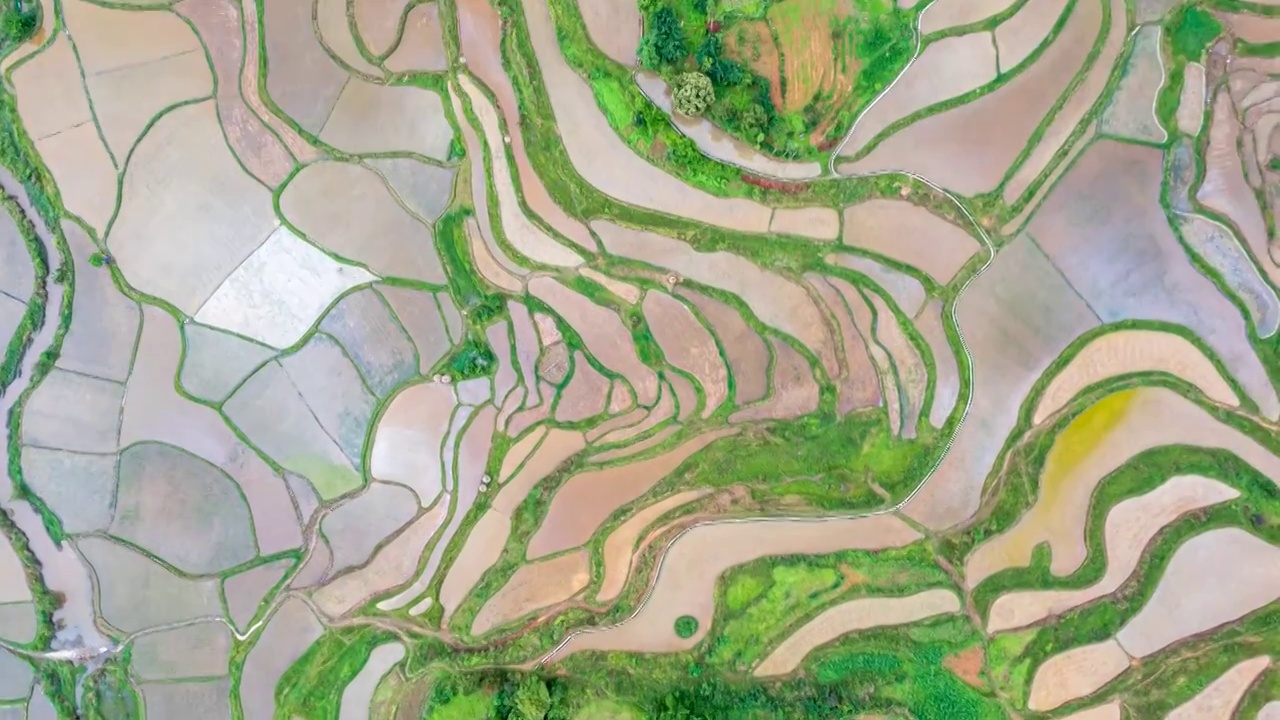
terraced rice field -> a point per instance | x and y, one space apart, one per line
360 362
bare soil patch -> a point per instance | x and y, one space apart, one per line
533 587
688 345
691 565
301 78
1020 35
421 48
1132 110
1129 527
1076 673
912 374
745 351
909 234
859 385
1133 351
621 543
586 394
288 635
946 389
1219 700
851 616
815 59
968 665
1189 598
407 444
795 391
587 499
378 22
944 14
752 43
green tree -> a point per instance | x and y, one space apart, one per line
533 700
663 43
754 121
693 94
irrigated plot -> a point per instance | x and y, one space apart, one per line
360 524
182 510
946 389
421 47
419 314
215 362
376 342
794 390
408 442
348 210
1129 528
1076 673
1016 318
911 371
17 278
1125 352
614 26
585 395
482 549
1132 110
587 499
907 292
13 574
1218 701
851 616
1189 598
15 683
911 235
777 301
358 694
388 118
1020 35
621 543
945 14
301 78
201 650
858 386
244 592
289 633
947 68
688 345
204 699
1190 115
70 411
745 351
135 592
100 342
333 389
271 412
423 187
1095 444
535 586
687 575
166 195
334 29
276 294
80 488
18 621
1103 227
1217 246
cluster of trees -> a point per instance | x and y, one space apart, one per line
17 23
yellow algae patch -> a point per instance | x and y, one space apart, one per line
859 614
1133 351
621 542
1061 499
1076 673
533 587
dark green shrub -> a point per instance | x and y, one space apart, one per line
686 626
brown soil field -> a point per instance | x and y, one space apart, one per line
585 395
245 591
219 26
636 448
289 634
691 565
946 389
605 161
909 234
1020 35
795 392
859 385
301 78
811 222
1225 189
526 236
483 546
912 373
614 26
1129 527
101 340
1076 673
533 587
689 346
945 14
407 442
1105 230
603 332
1189 598
621 543
588 498
752 43
1134 351
558 446
745 351
852 616
1253 28
348 210
1017 317
946 69
775 300
1219 700
907 292
421 48
995 127
106 38
165 195
334 31
811 57
967 665
1081 101
1131 112
480 36
392 566
378 22
1095 444
627 292
519 452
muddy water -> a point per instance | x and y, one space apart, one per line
62 569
